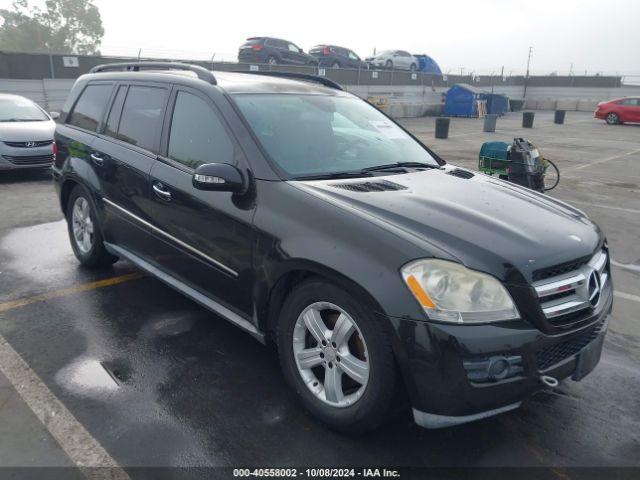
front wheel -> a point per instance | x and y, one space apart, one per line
84 231
612 119
389 65
272 60
336 356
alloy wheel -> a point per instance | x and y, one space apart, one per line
83 232
331 354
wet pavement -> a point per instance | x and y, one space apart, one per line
159 381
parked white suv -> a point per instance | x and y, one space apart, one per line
394 59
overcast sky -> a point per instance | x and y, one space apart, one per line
480 36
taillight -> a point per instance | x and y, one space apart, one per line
256 48
326 51
55 151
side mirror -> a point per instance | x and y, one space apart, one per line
54 115
219 177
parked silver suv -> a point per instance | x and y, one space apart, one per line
394 59
26 134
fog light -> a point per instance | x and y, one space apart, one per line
493 369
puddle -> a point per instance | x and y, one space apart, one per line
87 376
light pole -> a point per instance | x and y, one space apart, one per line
526 78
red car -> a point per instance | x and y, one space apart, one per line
619 111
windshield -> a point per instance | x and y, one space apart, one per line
20 110
309 135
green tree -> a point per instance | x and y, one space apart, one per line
63 26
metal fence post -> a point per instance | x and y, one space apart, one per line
52 70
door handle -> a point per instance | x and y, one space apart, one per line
97 159
161 192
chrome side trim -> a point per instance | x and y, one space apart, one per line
186 290
186 246
432 421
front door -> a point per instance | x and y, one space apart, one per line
206 237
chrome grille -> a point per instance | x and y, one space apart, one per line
31 144
574 290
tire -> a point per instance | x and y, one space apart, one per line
612 118
364 404
271 60
413 67
335 65
85 231
551 180
389 65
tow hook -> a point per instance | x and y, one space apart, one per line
549 381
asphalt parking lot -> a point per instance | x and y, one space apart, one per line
116 367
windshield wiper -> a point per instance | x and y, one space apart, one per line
334 175
393 166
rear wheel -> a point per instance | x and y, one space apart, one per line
389 65
335 65
84 230
413 67
612 118
336 356
272 60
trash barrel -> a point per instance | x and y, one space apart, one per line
559 117
490 122
527 119
442 127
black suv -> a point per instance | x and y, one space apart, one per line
337 57
273 51
305 216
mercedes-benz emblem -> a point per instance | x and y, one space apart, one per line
594 288
30 144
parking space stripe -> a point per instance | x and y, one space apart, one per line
85 287
83 450
597 205
627 296
598 162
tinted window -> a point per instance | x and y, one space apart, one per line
197 135
140 120
114 116
90 107
353 56
293 48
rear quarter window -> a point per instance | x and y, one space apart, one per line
90 107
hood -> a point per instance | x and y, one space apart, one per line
27 131
484 223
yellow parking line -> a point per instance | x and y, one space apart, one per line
85 287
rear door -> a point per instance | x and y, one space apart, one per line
76 136
206 237
123 154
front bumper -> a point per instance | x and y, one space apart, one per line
435 358
18 158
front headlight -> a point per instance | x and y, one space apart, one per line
450 292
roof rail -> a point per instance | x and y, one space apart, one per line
201 72
300 76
